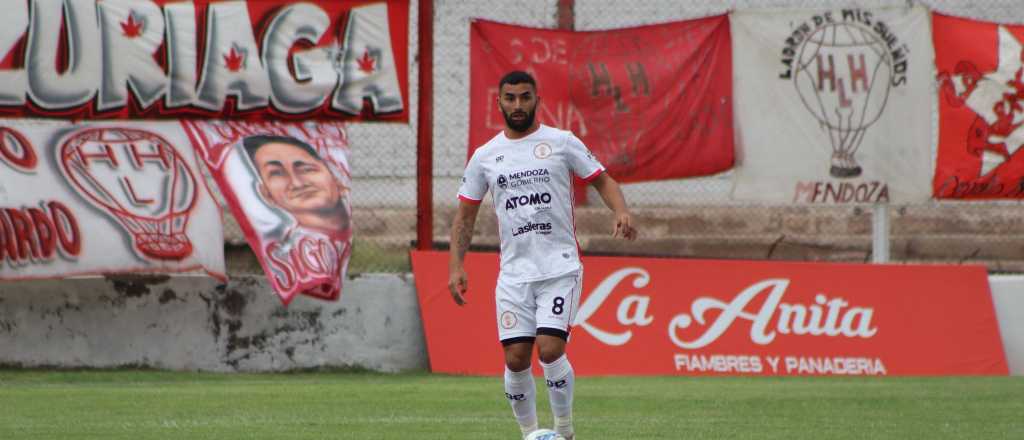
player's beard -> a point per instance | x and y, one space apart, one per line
521 125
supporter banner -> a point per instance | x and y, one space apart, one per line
254 59
288 185
651 102
644 316
980 109
834 105
101 198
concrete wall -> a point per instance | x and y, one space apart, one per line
191 323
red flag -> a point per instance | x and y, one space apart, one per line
981 109
652 102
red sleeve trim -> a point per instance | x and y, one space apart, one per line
593 176
469 200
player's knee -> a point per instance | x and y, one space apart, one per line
517 358
517 363
551 354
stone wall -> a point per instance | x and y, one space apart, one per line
194 323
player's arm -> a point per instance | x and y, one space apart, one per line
610 192
461 236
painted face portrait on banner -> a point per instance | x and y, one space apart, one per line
288 185
292 177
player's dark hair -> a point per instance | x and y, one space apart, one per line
517 77
254 143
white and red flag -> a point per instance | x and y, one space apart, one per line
981 109
288 185
103 198
251 59
833 106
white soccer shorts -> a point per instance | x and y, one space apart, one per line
522 308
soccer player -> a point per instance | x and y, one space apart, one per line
528 168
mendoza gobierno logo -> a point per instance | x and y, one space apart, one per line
844 64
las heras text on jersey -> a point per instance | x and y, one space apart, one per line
541 228
524 200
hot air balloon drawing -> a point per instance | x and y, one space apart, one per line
140 180
843 78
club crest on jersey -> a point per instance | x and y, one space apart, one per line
502 181
508 320
542 151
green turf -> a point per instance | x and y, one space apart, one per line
160 405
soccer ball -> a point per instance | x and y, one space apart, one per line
544 434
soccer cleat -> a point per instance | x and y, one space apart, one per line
563 425
528 429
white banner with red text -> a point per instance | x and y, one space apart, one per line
252 59
644 316
834 106
288 186
102 198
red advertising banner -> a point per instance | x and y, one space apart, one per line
652 102
981 109
644 316
288 186
251 59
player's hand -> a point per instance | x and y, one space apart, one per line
624 226
457 285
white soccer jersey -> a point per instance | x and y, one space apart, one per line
531 184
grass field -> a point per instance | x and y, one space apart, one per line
162 405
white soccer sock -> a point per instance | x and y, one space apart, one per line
560 380
521 390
